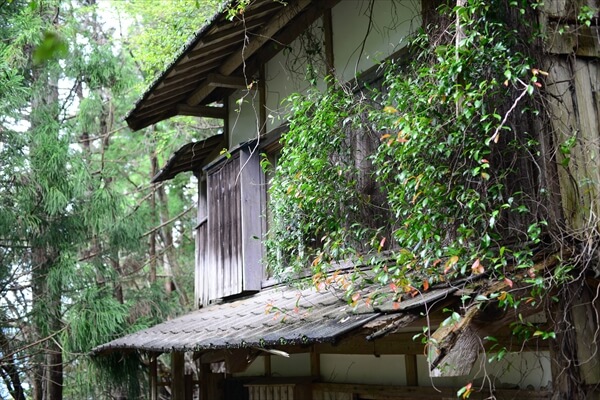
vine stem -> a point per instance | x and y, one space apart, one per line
496 136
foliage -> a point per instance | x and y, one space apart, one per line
317 213
160 29
455 144
75 269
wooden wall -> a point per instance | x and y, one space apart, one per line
229 250
573 105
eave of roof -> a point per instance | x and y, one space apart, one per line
223 56
279 316
190 157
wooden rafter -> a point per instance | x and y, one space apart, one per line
201 111
236 59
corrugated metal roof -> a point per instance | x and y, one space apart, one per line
279 316
189 157
220 57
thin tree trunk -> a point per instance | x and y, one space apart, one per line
152 238
167 235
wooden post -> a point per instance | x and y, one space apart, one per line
177 376
315 364
188 384
267 359
204 378
410 364
328 32
262 101
200 281
153 376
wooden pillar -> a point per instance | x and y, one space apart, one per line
153 395
188 384
200 284
267 359
204 381
315 364
328 33
410 364
262 101
177 376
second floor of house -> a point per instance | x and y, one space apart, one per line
244 78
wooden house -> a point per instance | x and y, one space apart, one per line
251 337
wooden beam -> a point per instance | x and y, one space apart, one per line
287 36
392 344
201 111
231 82
389 392
247 50
328 32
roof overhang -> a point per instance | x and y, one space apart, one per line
222 57
190 157
275 317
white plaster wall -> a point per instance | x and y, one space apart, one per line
392 22
366 369
295 365
526 369
286 73
256 368
243 116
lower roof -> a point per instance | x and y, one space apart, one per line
278 316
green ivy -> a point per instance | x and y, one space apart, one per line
455 143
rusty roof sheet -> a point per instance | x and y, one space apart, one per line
278 316
228 50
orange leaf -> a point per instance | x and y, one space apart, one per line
477 268
385 136
393 287
317 260
508 282
382 243
402 138
468 391
425 285
395 305
450 263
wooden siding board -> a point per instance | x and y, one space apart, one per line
560 101
201 232
234 223
588 114
250 176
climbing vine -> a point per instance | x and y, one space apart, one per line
426 175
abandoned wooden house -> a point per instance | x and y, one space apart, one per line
254 337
